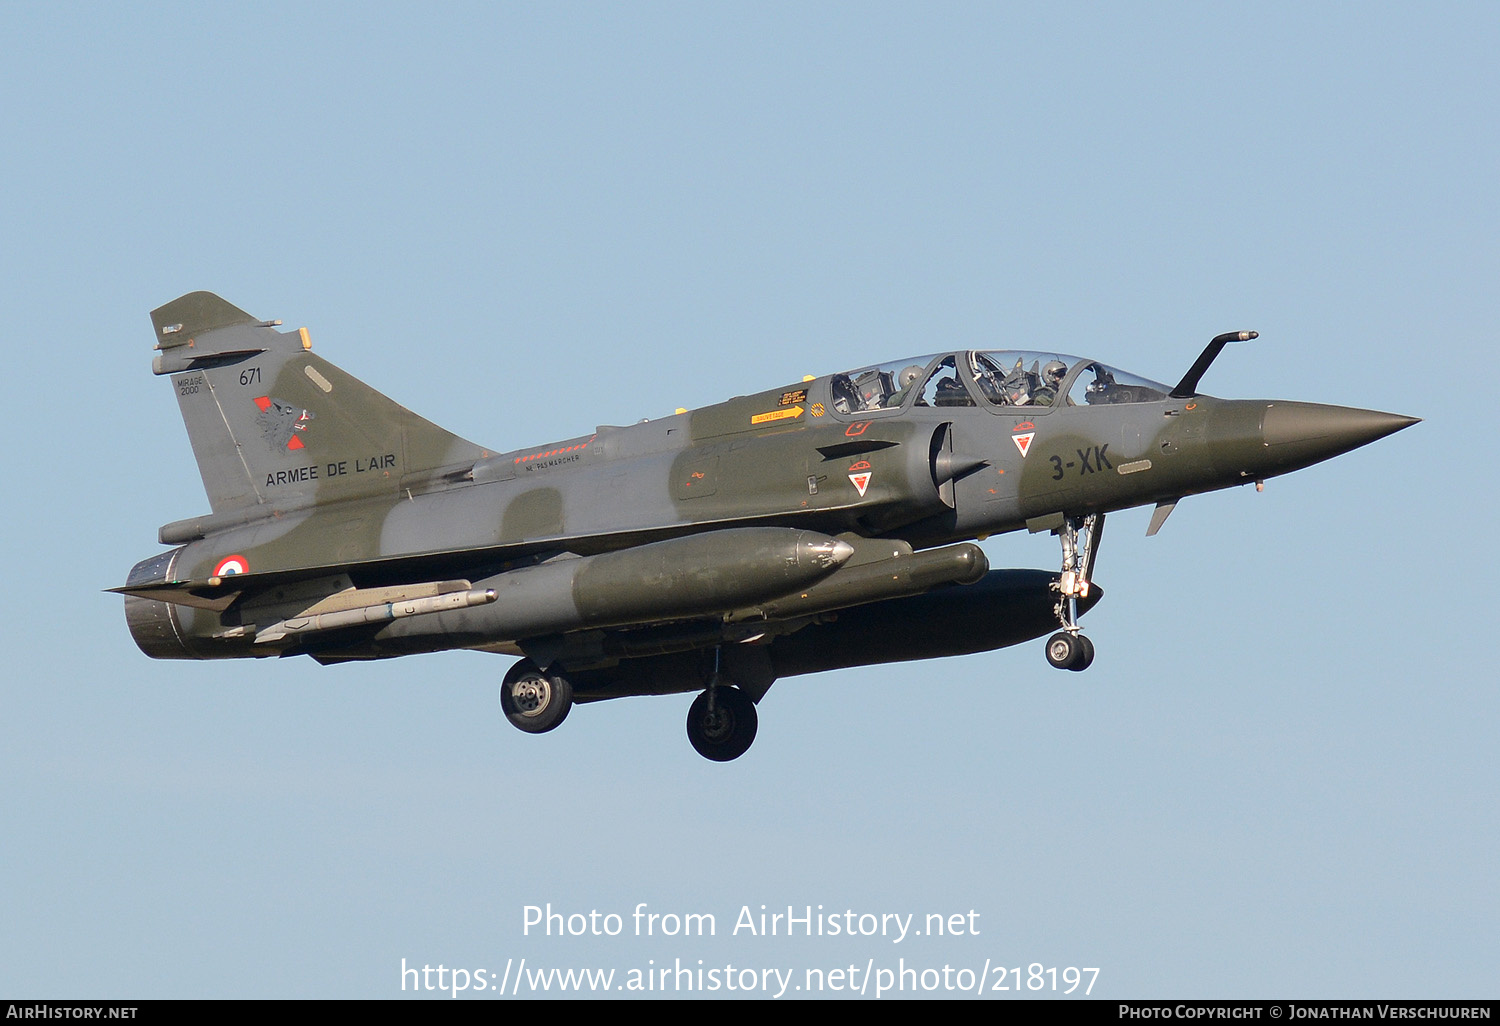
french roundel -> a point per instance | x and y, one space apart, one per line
232 565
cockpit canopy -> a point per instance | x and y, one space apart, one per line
991 378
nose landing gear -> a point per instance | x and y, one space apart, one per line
1068 649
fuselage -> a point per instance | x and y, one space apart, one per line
922 453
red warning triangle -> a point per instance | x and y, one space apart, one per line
1023 442
860 481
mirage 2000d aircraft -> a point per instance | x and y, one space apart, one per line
822 524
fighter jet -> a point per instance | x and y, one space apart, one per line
822 524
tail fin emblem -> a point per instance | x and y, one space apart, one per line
281 423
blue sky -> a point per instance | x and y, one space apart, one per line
1278 778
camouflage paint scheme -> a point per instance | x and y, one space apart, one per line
816 525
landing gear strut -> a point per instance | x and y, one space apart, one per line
533 700
1068 649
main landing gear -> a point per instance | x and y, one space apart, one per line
534 700
722 721
1068 649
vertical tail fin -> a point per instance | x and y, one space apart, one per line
271 423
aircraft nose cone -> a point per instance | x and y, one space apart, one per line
1293 423
1310 432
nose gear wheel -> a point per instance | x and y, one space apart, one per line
1070 651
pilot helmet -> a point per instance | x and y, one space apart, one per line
1054 371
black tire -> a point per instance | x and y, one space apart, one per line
1064 649
535 701
726 733
1085 655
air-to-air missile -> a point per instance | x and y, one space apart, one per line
823 524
